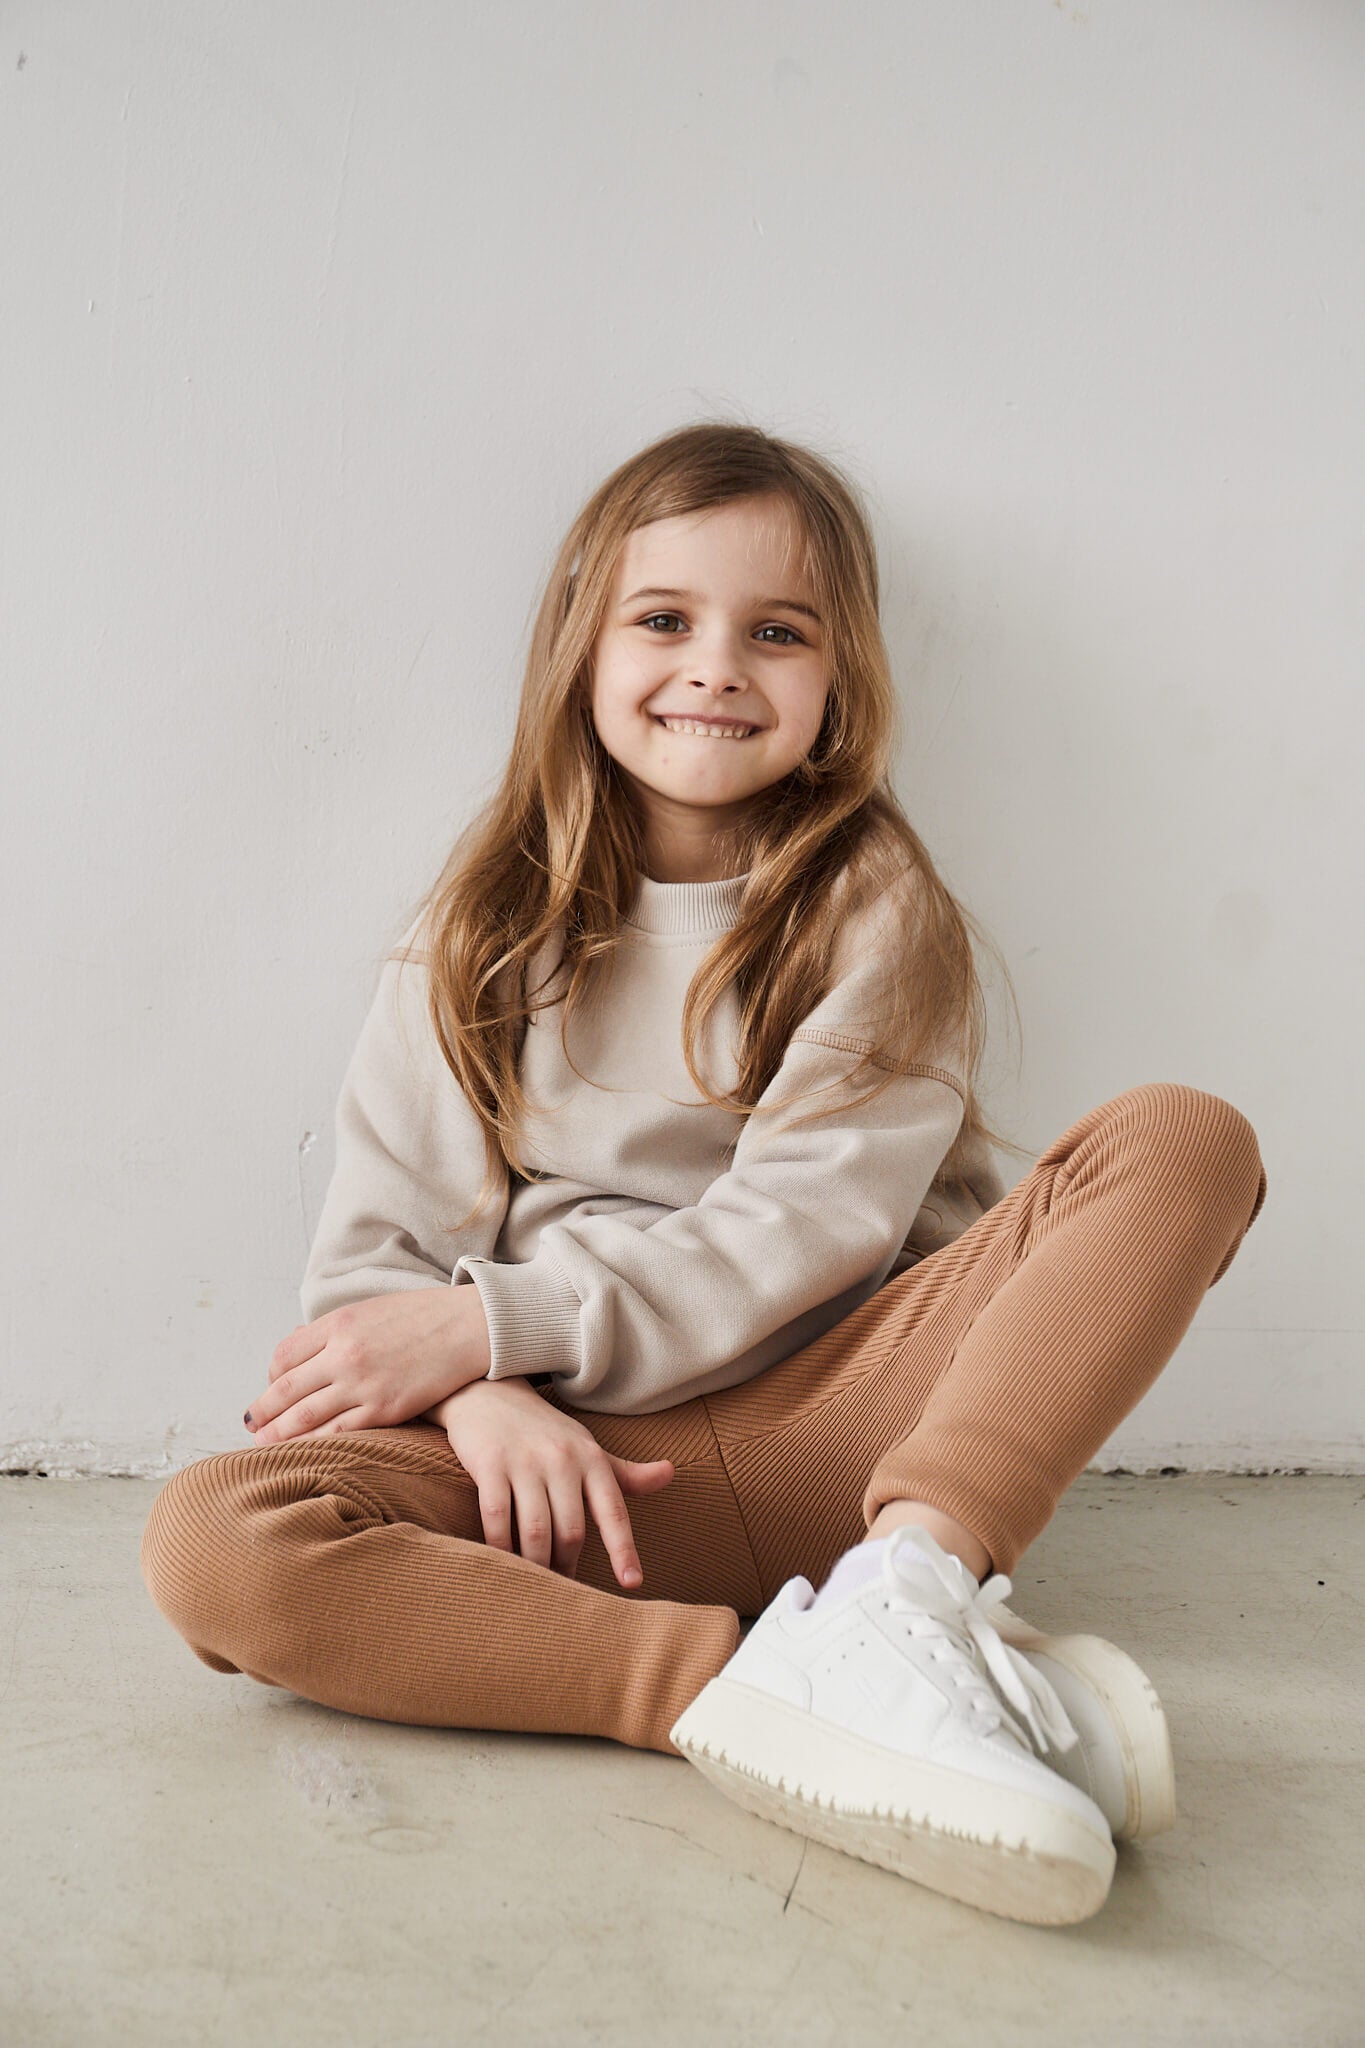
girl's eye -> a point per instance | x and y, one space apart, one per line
791 638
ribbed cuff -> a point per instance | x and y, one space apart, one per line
533 1315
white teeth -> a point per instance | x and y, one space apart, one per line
714 732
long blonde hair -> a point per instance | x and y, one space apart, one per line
557 850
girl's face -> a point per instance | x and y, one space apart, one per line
706 621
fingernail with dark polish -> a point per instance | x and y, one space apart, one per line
247 1419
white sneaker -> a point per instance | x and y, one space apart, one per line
1123 1758
872 1724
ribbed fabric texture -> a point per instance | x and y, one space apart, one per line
351 1569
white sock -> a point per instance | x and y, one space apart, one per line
863 1562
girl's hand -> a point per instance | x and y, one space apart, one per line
373 1364
518 1448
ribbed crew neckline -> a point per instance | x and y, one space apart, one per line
677 908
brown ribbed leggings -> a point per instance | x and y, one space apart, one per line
351 1569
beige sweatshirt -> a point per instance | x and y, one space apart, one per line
665 1248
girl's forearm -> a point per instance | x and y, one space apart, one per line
514 1388
475 1350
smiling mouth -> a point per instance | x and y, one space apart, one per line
704 728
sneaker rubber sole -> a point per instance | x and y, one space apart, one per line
985 1844
1112 1683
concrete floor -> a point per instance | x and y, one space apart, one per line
196 1859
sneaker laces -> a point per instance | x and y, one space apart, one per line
940 1592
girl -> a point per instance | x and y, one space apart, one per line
740 1306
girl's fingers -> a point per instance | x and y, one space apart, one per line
495 1510
338 1426
298 1346
637 1476
308 1416
285 1391
609 1513
534 1525
569 1521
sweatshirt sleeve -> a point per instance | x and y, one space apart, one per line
409 1159
803 1226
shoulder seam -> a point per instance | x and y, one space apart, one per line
841 1041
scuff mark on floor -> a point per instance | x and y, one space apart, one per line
328 1775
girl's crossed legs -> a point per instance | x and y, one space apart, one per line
352 1569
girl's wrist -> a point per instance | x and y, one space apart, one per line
439 1412
515 1383
474 1349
